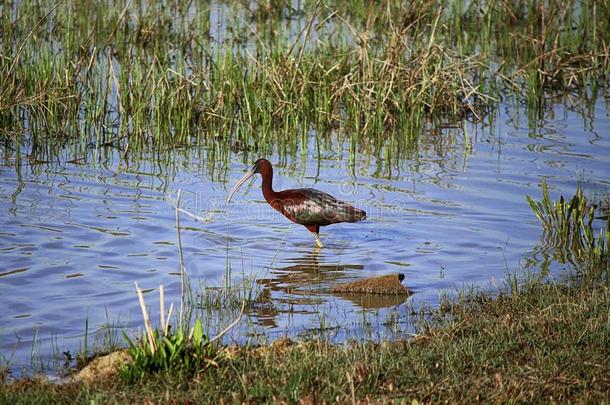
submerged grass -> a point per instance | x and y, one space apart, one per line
165 74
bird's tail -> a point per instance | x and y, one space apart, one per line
356 215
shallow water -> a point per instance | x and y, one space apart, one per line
75 237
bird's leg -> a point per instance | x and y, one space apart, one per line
315 230
318 241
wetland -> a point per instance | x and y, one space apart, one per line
436 118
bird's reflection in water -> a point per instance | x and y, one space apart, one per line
298 288
302 286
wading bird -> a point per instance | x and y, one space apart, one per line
305 206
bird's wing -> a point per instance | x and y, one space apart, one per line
313 207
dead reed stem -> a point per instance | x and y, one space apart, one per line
169 316
147 325
228 328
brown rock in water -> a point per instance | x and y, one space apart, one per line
388 284
102 367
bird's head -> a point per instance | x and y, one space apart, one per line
261 166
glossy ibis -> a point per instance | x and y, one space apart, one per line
305 206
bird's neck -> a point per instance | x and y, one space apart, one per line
267 186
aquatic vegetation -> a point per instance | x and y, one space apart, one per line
186 349
165 74
228 298
568 225
176 351
4 368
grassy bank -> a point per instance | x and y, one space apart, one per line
542 341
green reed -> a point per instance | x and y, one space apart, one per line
569 226
165 74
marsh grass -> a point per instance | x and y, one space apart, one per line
169 352
186 349
158 75
228 298
569 226
5 366
101 341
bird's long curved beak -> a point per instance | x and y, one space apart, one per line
241 181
